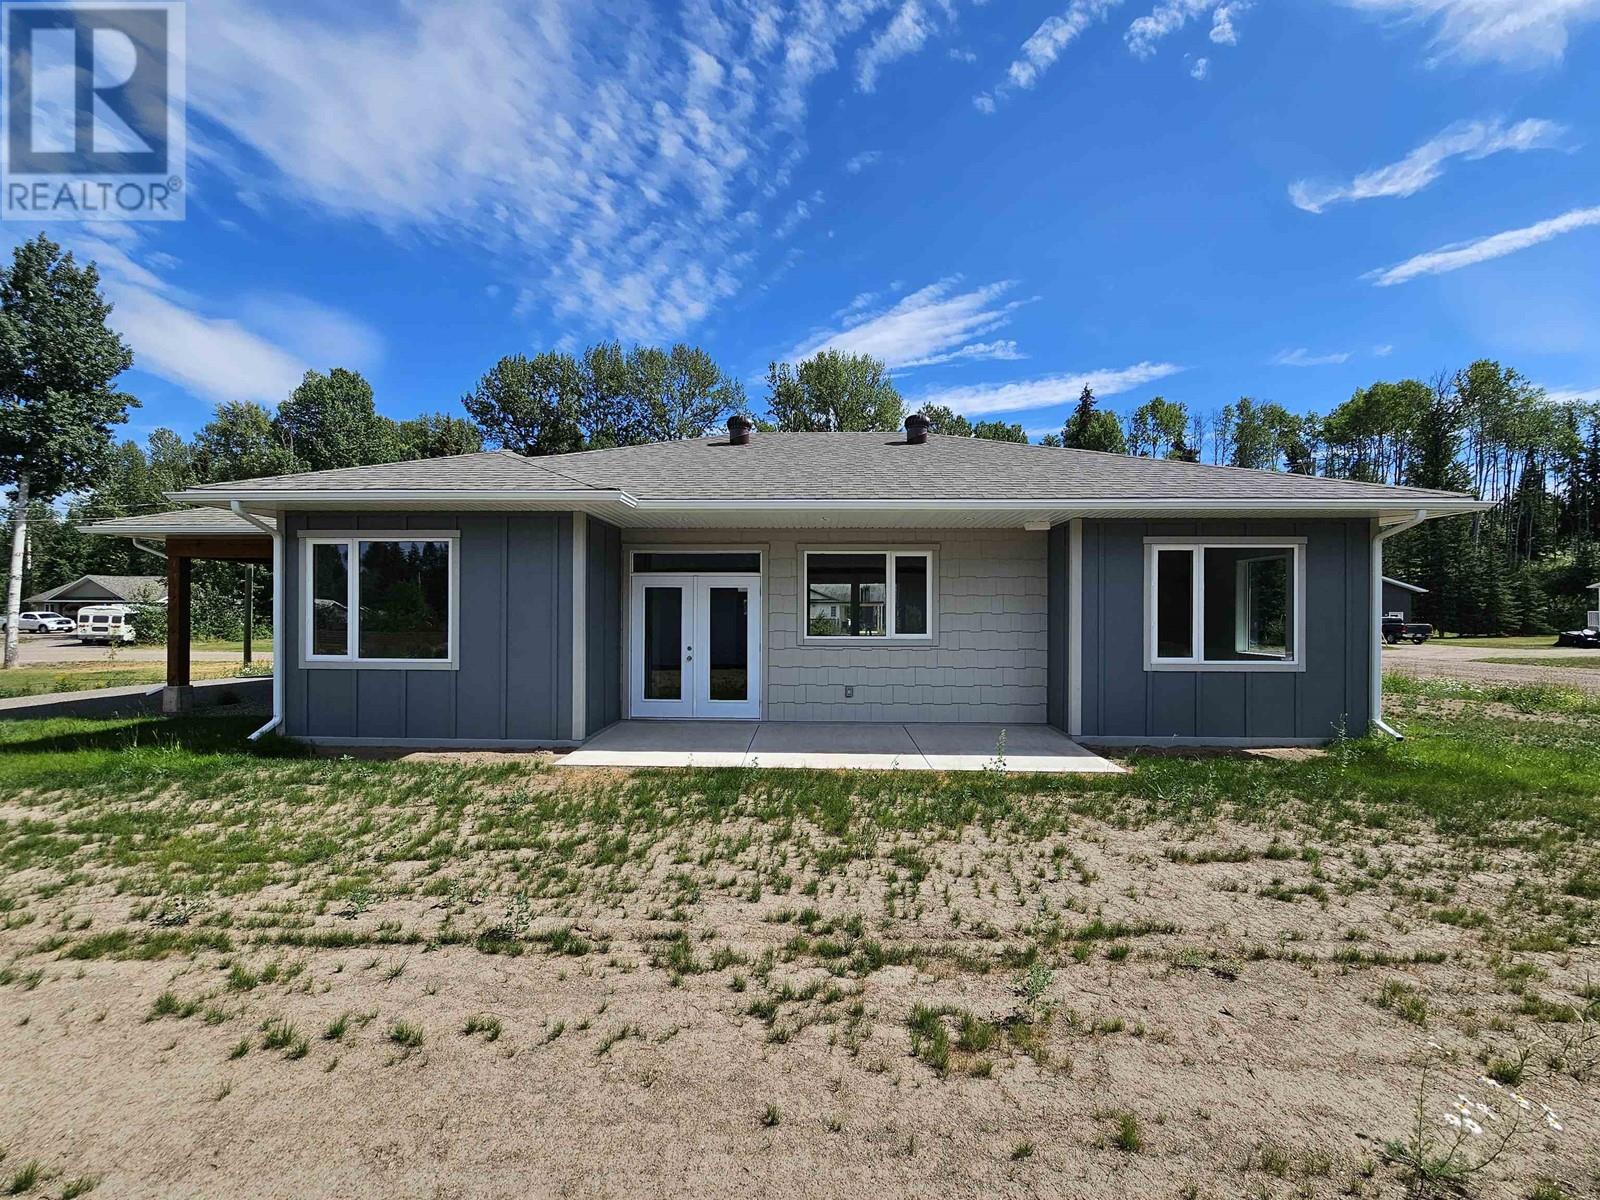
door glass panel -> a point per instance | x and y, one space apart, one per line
910 595
686 562
728 615
663 643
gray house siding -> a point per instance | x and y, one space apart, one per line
1121 700
603 627
514 682
987 662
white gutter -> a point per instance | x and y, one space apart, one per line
141 544
1376 608
278 631
1437 505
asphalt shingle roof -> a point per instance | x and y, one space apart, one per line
189 520
842 466
119 587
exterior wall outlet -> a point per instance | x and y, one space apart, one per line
849 693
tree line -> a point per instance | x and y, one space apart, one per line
1484 429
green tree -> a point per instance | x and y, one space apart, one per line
58 360
1089 428
1157 428
239 442
652 395
946 421
329 421
530 405
834 391
439 435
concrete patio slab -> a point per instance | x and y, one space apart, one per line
1027 748
834 746
666 744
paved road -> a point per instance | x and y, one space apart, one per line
1441 660
40 649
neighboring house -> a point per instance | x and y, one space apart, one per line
496 600
1399 599
100 589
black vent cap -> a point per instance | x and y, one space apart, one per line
916 429
739 427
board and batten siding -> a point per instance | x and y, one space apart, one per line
986 664
514 682
1121 700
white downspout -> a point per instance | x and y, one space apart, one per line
278 630
1376 606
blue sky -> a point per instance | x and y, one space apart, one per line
1286 198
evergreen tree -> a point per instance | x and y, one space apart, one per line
1088 428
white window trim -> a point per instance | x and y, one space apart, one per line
348 661
1196 545
890 553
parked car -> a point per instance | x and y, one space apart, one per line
44 622
105 623
1396 631
1586 639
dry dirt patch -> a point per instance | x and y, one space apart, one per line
550 986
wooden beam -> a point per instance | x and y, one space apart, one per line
243 548
178 625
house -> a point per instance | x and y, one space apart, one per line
1399 599
492 600
99 589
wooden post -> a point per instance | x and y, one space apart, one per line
178 696
249 612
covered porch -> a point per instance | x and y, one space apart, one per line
182 537
866 746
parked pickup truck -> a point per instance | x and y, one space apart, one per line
1396 630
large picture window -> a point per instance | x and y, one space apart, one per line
1225 604
886 594
380 599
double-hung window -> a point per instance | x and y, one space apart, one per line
883 594
380 599
1225 604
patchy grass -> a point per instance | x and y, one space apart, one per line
1582 662
866 967
87 676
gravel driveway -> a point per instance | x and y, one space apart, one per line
1441 660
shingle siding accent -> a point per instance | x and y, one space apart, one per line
988 661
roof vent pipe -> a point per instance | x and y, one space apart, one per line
739 427
916 429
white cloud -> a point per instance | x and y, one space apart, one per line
858 163
1515 32
258 352
1467 254
1200 68
1301 357
1169 16
1052 38
629 163
1383 351
997 351
1465 139
1023 395
903 36
1573 395
961 54
934 324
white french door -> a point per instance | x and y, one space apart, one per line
696 646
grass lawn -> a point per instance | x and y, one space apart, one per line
262 645
243 971
1582 662
80 677
1542 641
